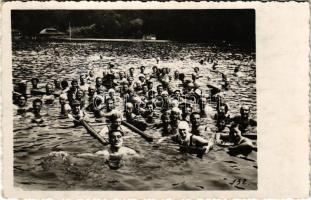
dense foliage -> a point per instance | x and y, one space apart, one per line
181 25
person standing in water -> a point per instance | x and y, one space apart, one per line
65 86
241 145
83 85
64 106
91 79
196 127
77 114
115 120
243 122
57 87
71 94
131 72
188 142
49 97
36 109
21 105
35 90
116 153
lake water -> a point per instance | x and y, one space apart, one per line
163 167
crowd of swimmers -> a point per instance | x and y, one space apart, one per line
174 102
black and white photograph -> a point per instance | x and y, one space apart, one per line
134 100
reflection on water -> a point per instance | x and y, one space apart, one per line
162 166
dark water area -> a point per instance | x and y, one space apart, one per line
162 167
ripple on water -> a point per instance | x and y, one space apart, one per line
162 166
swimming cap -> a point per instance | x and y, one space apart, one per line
183 125
198 92
92 87
63 96
136 99
175 110
196 85
129 105
245 107
190 85
115 115
111 90
164 93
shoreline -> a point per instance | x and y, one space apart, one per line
111 40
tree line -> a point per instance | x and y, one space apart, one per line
179 25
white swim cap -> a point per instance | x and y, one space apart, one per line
141 75
92 87
136 99
198 92
164 93
129 105
111 90
63 96
183 125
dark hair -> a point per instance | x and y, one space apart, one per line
74 81
110 133
165 115
80 90
177 90
193 76
111 65
159 86
124 83
20 96
225 105
192 115
242 108
64 84
36 101
236 69
181 76
150 103
34 79
114 116
151 92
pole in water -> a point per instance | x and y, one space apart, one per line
146 136
93 132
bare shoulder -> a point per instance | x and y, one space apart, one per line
128 151
104 153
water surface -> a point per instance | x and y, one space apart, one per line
162 166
